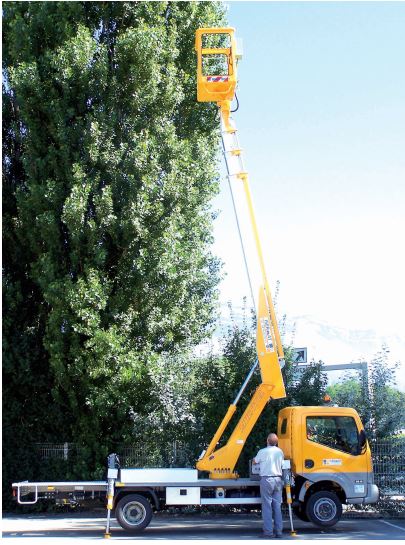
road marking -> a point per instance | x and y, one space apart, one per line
393 525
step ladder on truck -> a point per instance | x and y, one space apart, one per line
328 459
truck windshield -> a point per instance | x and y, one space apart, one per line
337 432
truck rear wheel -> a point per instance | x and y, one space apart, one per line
324 508
133 512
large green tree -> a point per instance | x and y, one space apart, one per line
109 170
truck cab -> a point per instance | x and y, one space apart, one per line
330 461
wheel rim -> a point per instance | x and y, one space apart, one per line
134 513
325 509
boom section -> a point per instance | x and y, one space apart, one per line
216 82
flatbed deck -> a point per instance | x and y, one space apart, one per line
28 492
65 486
88 486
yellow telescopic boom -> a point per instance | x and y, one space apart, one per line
216 82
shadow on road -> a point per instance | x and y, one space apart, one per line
193 528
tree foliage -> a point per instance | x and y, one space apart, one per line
380 405
109 169
220 377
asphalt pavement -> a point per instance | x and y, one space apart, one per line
48 529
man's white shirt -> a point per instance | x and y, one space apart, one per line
270 460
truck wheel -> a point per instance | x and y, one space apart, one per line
133 512
300 512
324 508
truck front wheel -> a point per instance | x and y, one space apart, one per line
133 512
324 508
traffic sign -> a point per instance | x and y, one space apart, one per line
300 355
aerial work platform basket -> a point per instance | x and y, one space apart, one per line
216 64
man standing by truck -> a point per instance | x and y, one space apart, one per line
271 486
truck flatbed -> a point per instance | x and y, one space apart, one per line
65 486
88 486
50 489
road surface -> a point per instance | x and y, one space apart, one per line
79 528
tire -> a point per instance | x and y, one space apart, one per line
133 512
300 512
324 508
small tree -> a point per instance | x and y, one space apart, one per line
380 405
223 375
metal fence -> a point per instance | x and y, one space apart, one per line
388 463
56 451
174 454
389 474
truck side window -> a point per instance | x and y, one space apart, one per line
337 432
283 429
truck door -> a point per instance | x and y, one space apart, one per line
330 451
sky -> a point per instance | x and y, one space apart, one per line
321 121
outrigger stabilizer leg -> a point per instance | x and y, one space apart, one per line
287 483
113 465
